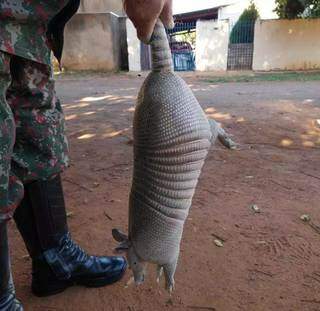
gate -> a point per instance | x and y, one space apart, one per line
240 52
182 40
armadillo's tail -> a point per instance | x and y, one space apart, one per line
160 49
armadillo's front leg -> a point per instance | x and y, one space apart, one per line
218 132
225 139
169 271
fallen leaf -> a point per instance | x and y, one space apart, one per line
255 208
108 216
218 243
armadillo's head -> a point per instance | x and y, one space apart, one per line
137 265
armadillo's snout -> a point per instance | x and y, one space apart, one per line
139 272
137 266
138 277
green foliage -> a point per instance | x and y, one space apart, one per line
243 30
249 14
314 9
290 9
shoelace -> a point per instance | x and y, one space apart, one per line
72 250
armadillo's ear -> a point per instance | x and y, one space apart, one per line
123 240
122 247
119 236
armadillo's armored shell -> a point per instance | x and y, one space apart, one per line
171 141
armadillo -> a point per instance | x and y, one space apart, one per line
172 137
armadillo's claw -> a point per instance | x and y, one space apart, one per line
119 236
159 273
123 240
169 271
170 289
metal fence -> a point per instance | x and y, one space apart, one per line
242 32
183 61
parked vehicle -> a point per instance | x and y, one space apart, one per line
183 56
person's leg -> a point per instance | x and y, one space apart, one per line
11 190
40 154
8 302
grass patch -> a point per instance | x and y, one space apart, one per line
265 77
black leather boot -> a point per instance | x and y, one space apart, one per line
57 261
8 301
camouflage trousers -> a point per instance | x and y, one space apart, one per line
33 144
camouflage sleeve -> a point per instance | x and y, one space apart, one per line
41 147
23 27
11 189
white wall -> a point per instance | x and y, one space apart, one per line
134 48
287 45
92 42
212 45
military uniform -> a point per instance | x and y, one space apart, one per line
33 151
33 144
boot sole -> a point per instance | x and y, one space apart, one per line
61 286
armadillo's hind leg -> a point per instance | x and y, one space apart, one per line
159 273
169 271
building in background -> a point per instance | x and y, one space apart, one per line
227 9
204 39
100 37
96 37
185 37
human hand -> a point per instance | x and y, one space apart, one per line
145 13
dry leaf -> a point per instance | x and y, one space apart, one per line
218 243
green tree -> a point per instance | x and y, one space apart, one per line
313 8
298 8
243 30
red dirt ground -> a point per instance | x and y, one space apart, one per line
269 261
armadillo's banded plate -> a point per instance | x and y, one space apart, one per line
171 141
155 231
168 114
